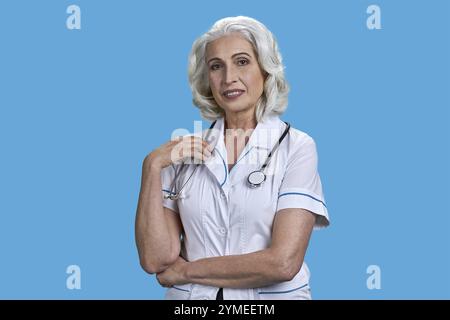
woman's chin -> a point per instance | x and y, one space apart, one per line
235 107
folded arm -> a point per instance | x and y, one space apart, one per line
280 262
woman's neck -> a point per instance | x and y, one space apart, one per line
240 121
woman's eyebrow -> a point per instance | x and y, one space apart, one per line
236 54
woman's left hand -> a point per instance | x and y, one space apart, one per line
174 274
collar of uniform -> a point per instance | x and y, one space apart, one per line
266 133
216 134
264 136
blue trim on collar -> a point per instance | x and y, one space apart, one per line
224 166
244 155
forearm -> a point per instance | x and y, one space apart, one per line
250 270
152 232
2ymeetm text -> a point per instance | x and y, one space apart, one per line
225 309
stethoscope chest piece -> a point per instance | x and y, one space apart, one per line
256 178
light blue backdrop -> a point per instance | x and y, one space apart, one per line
80 109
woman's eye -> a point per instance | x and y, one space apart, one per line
242 62
215 66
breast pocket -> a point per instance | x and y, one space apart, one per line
260 203
179 292
282 291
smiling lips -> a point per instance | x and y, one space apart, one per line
233 94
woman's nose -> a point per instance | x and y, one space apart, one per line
230 75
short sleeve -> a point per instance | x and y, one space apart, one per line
301 186
167 177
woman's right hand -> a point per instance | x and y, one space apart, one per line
189 149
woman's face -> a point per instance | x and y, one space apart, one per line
235 78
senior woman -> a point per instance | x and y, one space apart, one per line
237 225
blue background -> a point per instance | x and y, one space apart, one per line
80 109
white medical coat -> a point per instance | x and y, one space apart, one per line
222 215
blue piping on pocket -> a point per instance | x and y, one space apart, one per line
276 292
180 289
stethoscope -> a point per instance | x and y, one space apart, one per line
254 179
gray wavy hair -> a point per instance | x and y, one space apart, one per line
274 99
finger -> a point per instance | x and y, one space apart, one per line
188 144
191 138
187 141
197 140
207 146
196 158
182 152
197 146
200 148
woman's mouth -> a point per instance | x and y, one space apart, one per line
233 94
